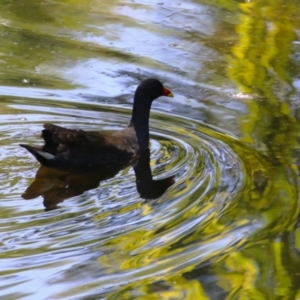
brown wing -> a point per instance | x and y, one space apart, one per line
85 144
67 137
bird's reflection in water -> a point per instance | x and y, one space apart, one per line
57 185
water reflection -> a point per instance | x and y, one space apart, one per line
57 185
229 227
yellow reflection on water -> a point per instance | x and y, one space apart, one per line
262 53
261 65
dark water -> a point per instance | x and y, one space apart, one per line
228 227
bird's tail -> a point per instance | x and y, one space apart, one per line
42 156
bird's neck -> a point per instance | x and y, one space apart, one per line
140 122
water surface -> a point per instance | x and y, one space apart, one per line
227 228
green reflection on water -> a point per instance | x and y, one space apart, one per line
40 40
261 65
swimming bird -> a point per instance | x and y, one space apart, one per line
69 148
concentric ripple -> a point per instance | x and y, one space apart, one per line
108 240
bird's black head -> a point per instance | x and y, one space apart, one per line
150 89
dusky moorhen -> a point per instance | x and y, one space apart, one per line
68 148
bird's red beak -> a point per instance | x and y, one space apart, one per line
167 92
